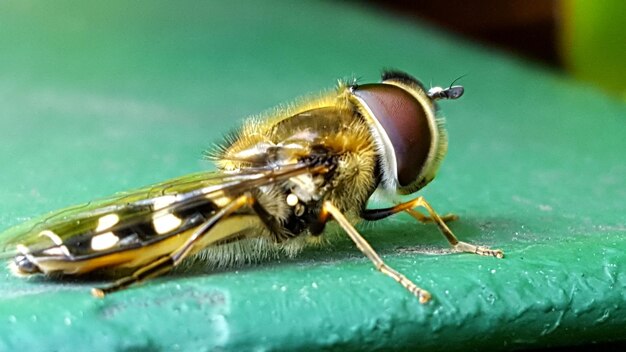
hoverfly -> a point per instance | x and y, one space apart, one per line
281 177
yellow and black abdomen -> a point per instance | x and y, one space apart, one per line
112 237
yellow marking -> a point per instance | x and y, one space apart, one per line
137 257
305 182
292 199
227 227
166 223
107 221
299 211
22 249
52 236
58 250
222 201
162 202
104 241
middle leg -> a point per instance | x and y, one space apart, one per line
377 214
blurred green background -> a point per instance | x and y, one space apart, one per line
594 42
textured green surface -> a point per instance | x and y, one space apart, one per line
100 98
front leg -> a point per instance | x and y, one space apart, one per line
329 210
377 214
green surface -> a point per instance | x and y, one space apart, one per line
101 98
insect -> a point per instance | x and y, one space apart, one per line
280 179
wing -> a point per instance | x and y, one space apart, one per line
134 214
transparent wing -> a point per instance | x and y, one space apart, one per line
140 206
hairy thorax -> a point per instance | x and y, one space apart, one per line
333 137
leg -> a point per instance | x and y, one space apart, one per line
166 263
428 219
361 243
376 214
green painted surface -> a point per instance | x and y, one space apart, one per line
105 97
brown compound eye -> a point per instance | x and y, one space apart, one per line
406 123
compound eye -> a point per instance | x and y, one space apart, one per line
405 123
